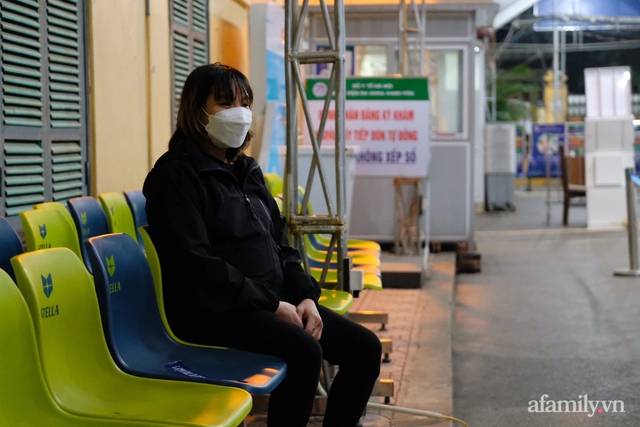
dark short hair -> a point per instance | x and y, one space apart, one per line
225 83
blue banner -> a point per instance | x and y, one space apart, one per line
545 136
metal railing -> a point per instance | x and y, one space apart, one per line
632 181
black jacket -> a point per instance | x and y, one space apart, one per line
221 240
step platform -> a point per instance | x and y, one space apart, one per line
401 272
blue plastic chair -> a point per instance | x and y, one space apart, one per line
10 246
137 203
136 336
90 221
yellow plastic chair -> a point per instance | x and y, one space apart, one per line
48 228
338 301
79 371
368 261
118 214
58 207
371 281
356 246
23 390
274 184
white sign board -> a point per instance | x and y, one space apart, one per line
387 117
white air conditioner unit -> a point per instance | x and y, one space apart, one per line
500 148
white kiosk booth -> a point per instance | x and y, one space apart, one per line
454 64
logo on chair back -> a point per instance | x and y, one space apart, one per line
43 234
47 285
111 265
112 210
111 268
83 215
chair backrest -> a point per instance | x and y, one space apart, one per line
274 183
10 246
279 203
23 391
156 272
128 306
137 203
90 221
48 228
563 169
65 313
89 217
118 214
58 207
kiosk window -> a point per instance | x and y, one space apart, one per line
371 60
445 71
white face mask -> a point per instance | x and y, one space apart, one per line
228 128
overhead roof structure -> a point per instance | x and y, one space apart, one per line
509 10
585 13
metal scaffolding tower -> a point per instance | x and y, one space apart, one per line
412 64
300 222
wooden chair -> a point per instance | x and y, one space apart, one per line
571 190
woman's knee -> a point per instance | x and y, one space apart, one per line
305 355
369 350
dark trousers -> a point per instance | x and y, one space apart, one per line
355 349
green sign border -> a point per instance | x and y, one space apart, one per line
376 89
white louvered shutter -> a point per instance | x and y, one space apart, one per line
43 131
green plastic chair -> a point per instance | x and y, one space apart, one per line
369 264
274 184
48 228
58 207
371 281
79 371
356 246
118 214
338 301
23 390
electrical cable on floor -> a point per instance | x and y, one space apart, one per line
412 411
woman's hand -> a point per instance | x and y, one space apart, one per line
307 310
289 313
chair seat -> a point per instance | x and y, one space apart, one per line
575 188
337 301
354 244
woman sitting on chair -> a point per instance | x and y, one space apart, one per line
230 277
